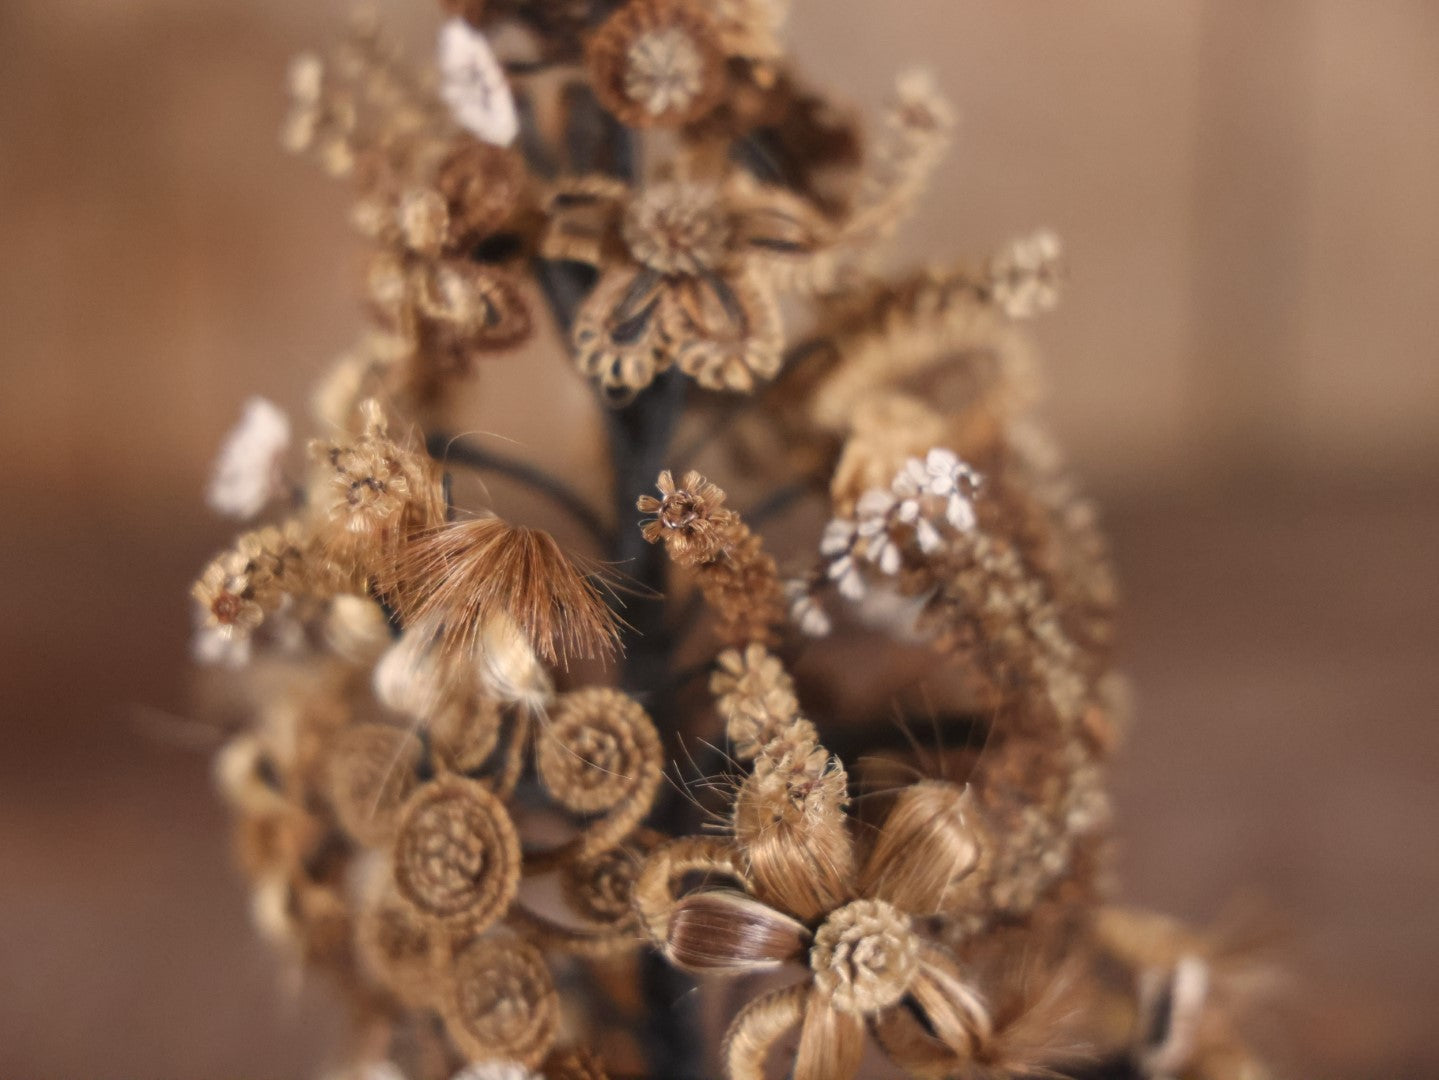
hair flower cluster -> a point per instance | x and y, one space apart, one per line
474 776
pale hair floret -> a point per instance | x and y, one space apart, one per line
247 470
474 86
928 500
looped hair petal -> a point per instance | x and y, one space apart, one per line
618 335
500 1003
370 774
600 890
654 894
457 856
728 331
759 1026
396 945
599 749
789 821
924 848
583 219
472 310
726 932
831 1041
465 732
481 184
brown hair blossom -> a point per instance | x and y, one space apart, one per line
468 574
252 580
441 313
375 481
690 276
788 819
738 580
465 308
657 63
376 493
690 518
867 956
481 186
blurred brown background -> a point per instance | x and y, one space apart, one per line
1244 369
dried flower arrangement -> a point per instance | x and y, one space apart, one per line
483 783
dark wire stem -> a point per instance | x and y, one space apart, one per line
689 615
537 155
639 434
734 410
685 676
717 425
639 437
454 450
778 501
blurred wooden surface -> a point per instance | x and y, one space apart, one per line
1245 190
1245 364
